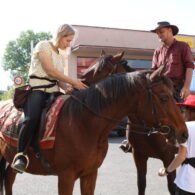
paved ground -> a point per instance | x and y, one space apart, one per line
117 176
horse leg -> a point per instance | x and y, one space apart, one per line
2 174
141 165
66 180
170 178
171 184
87 183
10 176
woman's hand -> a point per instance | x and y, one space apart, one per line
78 84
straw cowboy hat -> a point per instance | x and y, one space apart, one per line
190 102
174 28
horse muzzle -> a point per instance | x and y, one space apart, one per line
183 137
169 133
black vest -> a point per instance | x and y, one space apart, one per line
190 161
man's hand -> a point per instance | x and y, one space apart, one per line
185 92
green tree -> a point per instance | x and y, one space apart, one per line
17 54
8 94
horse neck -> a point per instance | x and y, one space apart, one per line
110 116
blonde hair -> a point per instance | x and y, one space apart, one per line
63 30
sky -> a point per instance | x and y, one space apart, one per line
47 15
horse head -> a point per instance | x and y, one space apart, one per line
157 111
103 67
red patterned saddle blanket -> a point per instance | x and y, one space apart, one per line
11 120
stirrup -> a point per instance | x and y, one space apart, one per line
16 158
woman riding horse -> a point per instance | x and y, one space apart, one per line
46 76
87 117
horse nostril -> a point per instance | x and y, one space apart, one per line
185 135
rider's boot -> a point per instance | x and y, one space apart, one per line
20 162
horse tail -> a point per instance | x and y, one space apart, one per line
2 174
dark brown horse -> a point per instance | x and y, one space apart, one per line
152 146
85 121
104 67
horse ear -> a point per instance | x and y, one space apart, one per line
103 53
119 56
157 73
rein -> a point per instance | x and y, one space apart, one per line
162 129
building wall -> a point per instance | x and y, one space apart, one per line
123 38
136 44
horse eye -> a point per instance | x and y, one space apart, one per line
164 99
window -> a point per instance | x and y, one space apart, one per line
140 64
192 86
83 63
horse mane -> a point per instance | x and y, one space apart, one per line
99 64
105 92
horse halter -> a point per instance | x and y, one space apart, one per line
158 128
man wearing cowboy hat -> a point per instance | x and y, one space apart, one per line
176 56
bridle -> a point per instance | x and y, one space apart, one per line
115 69
158 127
147 130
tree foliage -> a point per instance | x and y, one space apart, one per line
17 54
8 94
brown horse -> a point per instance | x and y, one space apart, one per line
85 121
104 66
153 145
